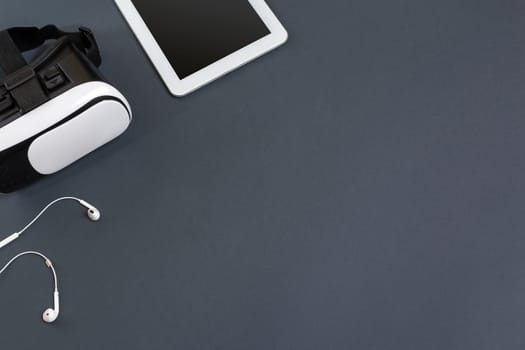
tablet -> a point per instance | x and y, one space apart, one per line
193 42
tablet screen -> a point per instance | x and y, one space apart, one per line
196 33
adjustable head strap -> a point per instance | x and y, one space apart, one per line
21 81
16 40
11 59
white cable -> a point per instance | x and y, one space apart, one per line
44 210
16 235
46 260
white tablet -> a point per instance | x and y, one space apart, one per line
193 42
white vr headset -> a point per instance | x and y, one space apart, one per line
56 109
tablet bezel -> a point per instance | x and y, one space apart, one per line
181 87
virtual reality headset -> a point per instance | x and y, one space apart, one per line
56 109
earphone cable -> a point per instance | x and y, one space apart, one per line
44 210
92 213
47 261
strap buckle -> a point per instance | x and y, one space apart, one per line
20 77
24 87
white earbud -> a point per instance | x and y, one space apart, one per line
92 213
50 315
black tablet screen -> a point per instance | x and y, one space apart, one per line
196 33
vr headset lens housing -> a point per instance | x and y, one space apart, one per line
56 109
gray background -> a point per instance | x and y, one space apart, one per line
359 188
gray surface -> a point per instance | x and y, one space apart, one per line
360 188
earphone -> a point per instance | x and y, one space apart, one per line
92 213
50 315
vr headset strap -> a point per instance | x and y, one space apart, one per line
21 81
11 59
29 38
